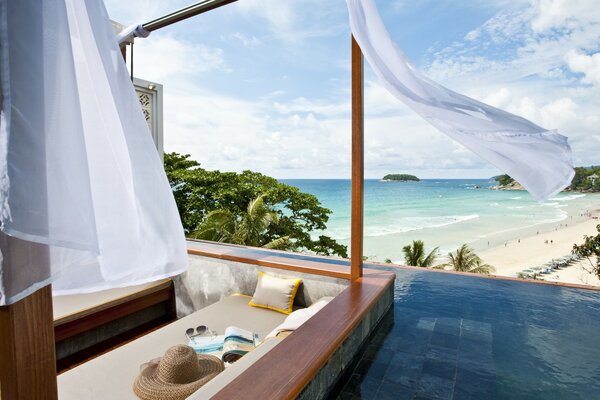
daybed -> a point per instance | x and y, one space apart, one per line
111 375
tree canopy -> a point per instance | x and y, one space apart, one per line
504 179
247 229
464 259
198 192
414 254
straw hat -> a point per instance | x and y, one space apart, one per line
178 374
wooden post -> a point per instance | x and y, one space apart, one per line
27 355
358 168
27 352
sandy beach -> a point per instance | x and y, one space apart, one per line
536 250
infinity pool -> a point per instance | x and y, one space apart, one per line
461 337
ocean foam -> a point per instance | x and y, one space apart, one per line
568 197
409 224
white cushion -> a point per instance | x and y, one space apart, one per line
275 293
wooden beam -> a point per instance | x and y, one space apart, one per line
27 357
358 169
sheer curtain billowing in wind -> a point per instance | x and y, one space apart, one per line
537 158
80 179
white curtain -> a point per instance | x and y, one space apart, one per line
537 158
84 200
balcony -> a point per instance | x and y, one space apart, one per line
447 335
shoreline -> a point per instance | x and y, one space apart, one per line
535 250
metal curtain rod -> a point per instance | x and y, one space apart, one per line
185 13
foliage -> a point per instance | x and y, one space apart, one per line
465 260
504 179
198 192
590 248
400 177
414 254
247 229
581 182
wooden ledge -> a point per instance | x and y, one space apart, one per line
284 371
317 265
101 314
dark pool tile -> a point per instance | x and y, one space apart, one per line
442 369
383 356
364 388
450 326
395 341
413 343
441 353
460 394
394 391
444 340
433 387
474 375
371 369
406 372
402 359
481 390
370 352
484 366
476 336
427 324
472 325
347 396
476 331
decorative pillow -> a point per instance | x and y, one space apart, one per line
275 293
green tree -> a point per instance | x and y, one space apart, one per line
414 254
248 229
198 192
504 179
464 259
590 248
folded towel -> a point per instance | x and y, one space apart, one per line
298 317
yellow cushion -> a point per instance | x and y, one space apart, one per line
275 293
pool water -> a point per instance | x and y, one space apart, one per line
461 337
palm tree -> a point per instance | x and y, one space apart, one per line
248 229
414 254
465 260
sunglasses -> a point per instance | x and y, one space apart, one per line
201 330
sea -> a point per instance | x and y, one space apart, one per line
444 213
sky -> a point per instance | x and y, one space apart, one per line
264 85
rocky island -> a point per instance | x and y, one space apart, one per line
400 178
586 179
505 182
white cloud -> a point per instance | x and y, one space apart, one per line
138 11
588 65
523 59
559 14
247 41
296 21
162 57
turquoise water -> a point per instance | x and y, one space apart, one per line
442 212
